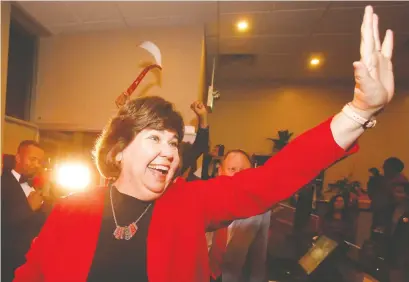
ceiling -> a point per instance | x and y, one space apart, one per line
282 35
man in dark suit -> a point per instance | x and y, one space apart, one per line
21 207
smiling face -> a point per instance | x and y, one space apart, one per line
138 148
29 160
149 163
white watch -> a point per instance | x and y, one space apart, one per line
366 123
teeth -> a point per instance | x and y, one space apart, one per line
160 167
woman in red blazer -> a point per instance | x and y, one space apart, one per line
148 227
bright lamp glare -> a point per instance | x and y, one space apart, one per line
242 25
73 176
315 61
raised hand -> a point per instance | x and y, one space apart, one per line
374 78
35 200
199 108
201 111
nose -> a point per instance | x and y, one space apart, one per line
36 164
168 151
238 170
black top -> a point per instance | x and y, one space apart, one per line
121 260
193 152
398 232
339 229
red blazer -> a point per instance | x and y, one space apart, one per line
176 244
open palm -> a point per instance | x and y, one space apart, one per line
374 78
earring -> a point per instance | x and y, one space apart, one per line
118 157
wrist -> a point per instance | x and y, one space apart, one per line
365 113
203 122
363 118
204 125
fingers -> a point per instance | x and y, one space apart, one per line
361 73
387 45
367 36
197 105
193 105
375 27
370 39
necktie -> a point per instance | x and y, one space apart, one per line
25 179
217 251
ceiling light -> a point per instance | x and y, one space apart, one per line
242 25
315 62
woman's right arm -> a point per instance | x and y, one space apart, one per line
254 191
32 269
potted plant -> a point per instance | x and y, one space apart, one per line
284 137
346 187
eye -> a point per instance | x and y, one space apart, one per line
154 138
174 144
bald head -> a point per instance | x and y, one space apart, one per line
233 162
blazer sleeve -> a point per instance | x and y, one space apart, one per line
199 147
201 143
32 269
254 191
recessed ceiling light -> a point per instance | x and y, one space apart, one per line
315 62
242 25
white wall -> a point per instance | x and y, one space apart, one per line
80 76
15 131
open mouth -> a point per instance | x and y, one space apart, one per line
163 169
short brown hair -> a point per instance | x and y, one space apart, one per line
151 112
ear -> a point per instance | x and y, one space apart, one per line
17 158
220 170
118 157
